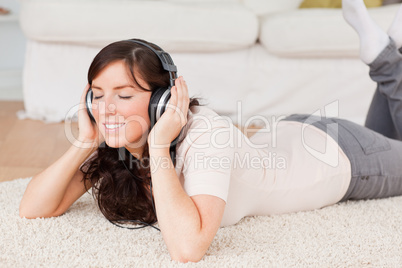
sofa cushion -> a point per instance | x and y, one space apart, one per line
207 26
316 32
262 7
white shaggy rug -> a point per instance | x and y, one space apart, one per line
364 233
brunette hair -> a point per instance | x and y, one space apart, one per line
120 182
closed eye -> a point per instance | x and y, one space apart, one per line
125 97
121 97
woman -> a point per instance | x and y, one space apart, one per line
219 175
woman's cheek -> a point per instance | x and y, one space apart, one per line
136 123
131 111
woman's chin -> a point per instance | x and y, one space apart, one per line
114 144
126 144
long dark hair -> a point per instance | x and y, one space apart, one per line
120 182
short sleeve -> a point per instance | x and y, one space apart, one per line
208 164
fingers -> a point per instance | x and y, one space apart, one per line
173 99
179 91
186 99
179 100
83 111
83 95
185 95
185 91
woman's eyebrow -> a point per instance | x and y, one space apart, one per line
124 86
118 87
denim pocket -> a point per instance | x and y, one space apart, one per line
369 140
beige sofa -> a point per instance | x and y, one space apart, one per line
245 57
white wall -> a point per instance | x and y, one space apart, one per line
12 51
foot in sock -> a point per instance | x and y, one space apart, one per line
395 31
372 38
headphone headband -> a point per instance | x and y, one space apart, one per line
165 59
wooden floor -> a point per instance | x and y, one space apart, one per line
27 146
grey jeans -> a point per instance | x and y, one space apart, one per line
374 151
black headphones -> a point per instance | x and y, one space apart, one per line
159 97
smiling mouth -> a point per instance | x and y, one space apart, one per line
114 126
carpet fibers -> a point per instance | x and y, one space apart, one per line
363 233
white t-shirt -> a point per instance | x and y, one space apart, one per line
287 168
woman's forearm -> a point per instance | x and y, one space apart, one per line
178 217
46 190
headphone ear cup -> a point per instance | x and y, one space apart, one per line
88 103
157 104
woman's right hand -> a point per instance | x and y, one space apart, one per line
89 135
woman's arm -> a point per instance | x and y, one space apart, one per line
188 225
55 189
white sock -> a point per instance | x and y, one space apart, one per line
372 38
395 31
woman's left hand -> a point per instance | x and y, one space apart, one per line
169 125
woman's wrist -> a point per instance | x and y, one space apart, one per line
158 151
84 143
85 147
160 159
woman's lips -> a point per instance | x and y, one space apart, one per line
113 127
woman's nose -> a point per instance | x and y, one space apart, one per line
110 108
107 107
